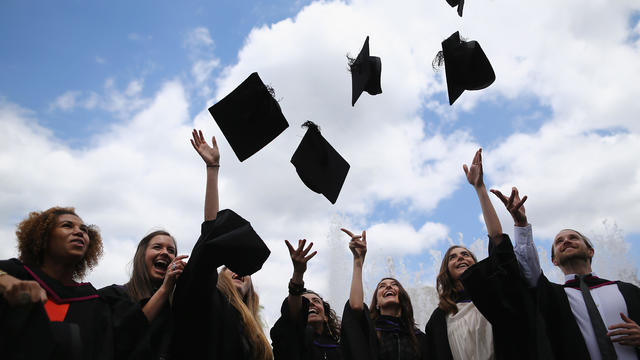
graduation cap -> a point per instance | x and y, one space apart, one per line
458 3
231 241
249 117
319 165
365 74
466 66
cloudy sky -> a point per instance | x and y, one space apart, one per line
97 101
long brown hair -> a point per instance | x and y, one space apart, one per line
446 285
140 286
332 325
248 307
406 314
34 232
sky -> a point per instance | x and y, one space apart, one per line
98 99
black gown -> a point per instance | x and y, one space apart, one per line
360 340
26 332
294 340
206 325
135 337
499 291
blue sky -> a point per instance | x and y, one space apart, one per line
97 99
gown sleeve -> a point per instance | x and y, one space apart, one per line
437 340
358 335
199 308
288 335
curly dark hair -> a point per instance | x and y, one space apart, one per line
332 327
33 235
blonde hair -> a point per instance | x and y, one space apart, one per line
248 308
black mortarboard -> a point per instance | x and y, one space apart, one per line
466 66
319 165
458 3
365 74
249 117
231 241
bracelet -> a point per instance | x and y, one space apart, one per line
296 289
214 166
2 272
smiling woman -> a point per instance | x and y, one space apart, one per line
40 297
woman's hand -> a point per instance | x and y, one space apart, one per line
175 268
357 245
21 292
210 154
299 256
474 174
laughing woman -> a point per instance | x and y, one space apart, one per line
308 327
45 313
386 330
141 308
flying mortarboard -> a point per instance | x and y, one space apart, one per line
466 66
232 242
249 117
365 74
319 165
458 3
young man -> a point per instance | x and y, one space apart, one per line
587 317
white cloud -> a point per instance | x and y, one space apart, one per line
142 173
66 101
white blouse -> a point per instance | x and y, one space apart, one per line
470 334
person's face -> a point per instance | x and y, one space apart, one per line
387 293
316 309
242 283
458 261
569 245
161 250
69 239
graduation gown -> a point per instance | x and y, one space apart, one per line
135 337
207 325
295 340
560 325
80 325
360 339
501 294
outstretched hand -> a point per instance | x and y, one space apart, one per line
299 256
474 174
174 269
628 331
357 245
514 205
210 154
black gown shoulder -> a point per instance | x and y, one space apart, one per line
86 331
360 339
135 337
210 328
293 339
499 291
436 336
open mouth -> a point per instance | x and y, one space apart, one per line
313 311
161 264
389 293
78 242
462 266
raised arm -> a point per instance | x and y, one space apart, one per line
358 246
299 258
475 177
211 157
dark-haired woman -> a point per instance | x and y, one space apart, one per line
308 327
45 313
472 292
386 330
215 314
141 308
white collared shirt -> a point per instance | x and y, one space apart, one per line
607 298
